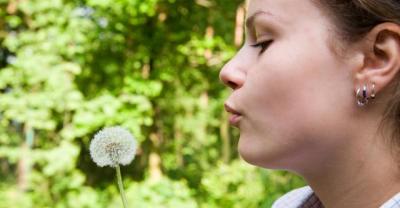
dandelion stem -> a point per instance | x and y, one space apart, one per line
121 187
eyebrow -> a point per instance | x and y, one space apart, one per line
250 20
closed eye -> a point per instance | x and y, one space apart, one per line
263 45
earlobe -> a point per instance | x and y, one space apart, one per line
381 57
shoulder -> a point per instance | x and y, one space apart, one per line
294 198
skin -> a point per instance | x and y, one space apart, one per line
297 102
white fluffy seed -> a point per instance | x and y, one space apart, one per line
112 146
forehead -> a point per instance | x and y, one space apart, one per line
285 11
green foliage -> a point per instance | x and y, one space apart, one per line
164 193
235 185
71 67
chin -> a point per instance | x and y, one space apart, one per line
251 153
260 155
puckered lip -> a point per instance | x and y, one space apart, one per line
230 109
235 117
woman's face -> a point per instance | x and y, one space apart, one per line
293 93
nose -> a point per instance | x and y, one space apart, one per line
233 74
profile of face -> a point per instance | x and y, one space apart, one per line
292 97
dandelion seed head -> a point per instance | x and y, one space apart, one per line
112 146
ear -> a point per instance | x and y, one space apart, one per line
380 62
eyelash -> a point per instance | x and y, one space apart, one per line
264 45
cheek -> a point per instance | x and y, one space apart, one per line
295 83
293 98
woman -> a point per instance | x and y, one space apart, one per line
316 92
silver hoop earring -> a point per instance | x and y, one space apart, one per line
362 98
373 91
365 92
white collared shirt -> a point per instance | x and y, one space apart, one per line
305 198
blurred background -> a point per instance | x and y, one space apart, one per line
71 67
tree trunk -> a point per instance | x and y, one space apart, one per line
240 15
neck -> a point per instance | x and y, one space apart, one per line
363 177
